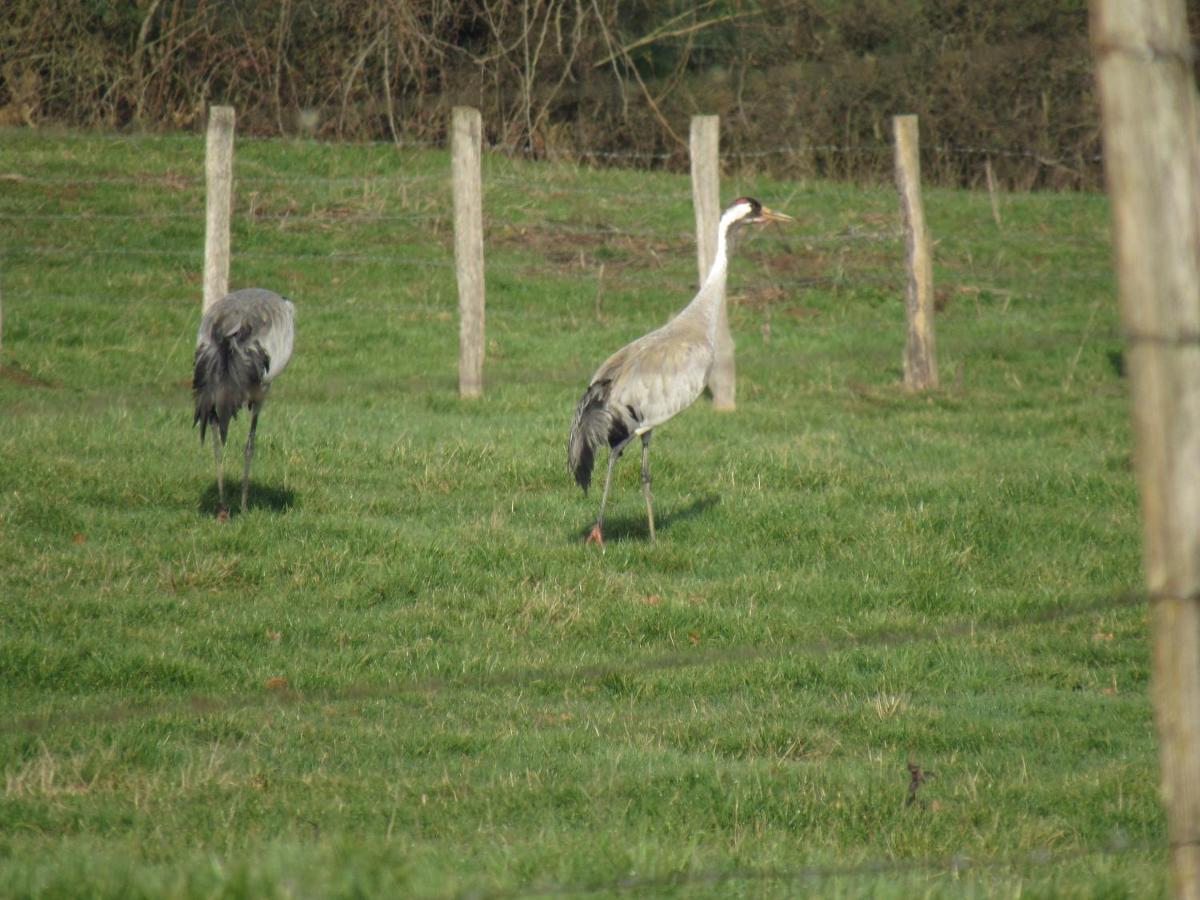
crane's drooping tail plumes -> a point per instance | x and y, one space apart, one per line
245 340
229 370
594 427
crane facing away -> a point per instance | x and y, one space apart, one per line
647 382
245 341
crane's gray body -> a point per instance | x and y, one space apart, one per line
244 342
646 382
657 376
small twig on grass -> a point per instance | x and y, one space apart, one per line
916 779
1087 332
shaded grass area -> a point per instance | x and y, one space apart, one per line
401 671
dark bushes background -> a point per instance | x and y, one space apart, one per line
991 79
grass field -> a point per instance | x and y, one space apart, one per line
401 673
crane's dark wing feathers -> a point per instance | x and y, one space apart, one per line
229 370
595 425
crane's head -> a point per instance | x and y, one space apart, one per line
748 211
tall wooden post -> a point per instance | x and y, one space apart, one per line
218 168
989 176
1148 105
466 143
704 145
920 358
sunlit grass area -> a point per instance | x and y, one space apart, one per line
402 672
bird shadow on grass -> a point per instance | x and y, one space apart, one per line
635 527
260 497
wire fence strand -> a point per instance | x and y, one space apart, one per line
590 673
728 154
811 878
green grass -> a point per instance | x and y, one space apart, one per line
848 578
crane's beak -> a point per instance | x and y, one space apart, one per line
769 215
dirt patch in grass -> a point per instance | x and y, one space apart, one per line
20 376
587 247
170 180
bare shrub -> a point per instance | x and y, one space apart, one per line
803 87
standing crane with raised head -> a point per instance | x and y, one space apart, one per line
647 382
245 341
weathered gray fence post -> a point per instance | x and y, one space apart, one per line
989 176
218 168
920 358
1149 112
466 143
704 145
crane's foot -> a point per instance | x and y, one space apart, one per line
595 537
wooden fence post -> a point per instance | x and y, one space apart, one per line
989 176
1148 106
704 145
466 143
920 359
218 168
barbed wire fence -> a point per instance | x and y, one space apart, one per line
596 672
253 182
813 877
277 694
810 878
584 673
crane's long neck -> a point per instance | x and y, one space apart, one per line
706 305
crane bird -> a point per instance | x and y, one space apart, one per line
245 341
647 382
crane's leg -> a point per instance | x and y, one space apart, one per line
597 534
217 444
646 481
249 454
